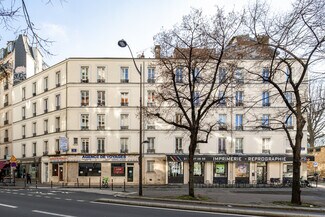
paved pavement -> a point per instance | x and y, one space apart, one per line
251 199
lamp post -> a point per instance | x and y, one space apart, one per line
122 43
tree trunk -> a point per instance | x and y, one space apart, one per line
191 164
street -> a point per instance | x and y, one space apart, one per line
47 202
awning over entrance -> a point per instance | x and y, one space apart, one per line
3 164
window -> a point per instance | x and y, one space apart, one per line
151 75
151 145
124 145
101 74
6 100
90 169
239 98
45 105
198 169
6 120
100 98
265 74
46 126
100 122
46 83
6 83
178 118
34 129
34 89
100 145
222 145
239 146
178 145
266 145
266 99
57 124
117 169
288 96
196 75
84 74
239 122
57 101
46 147
151 98
58 79
265 120
150 166
222 101
179 75
34 149
196 98
34 109
222 122
84 145
222 75
23 131
288 121
6 138
239 76
84 98
23 112
84 122
75 141
124 75
124 121
124 98
23 150
55 169
57 146
23 93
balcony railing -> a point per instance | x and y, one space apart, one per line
151 80
266 151
57 152
34 154
5 104
101 80
46 89
197 151
23 117
58 107
84 128
101 128
101 104
34 134
239 151
124 103
222 127
85 80
45 110
124 151
58 85
46 132
124 127
57 129
23 136
266 104
5 87
124 80
150 150
34 114
85 151
222 151
23 155
45 153
100 151
6 139
239 103
34 94
6 122
179 151
239 127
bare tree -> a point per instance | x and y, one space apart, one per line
316 112
191 87
297 40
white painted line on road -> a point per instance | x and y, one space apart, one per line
29 195
52 213
68 199
57 198
38 196
47 197
15 193
179 210
80 201
9 206
22 194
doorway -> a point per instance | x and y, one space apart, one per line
61 173
130 174
261 173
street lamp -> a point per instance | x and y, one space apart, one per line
122 43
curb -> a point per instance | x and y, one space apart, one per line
206 209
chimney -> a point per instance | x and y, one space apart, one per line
157 51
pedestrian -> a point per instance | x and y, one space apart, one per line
29 179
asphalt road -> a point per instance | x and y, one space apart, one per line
46 202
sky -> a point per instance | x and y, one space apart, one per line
92 28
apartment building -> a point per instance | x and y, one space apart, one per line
79 120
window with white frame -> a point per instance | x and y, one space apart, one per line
178 118
239 98
58 101
239 148
265 98
34 149
179 75
222 122
100 98
23 112
84 97
265 120
34 89
288 121
150 166
124 75
222 75
124 121
57 124
151 145
124 145
23 150
124 98
23 131
46 147
84 122
34 109
6 100
100 145
34 129
222 98
58 79
46 83
23 93
101 122
196 98
84 145
84 74
239 76
178 145
151 98
265 74
46 126
151 75
288 96
101 74
57 145
222 145
45 105
266 145
239 122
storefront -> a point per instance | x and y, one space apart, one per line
220 172
31 166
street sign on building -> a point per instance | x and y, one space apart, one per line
63 144
315 164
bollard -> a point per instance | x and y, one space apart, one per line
77 183
89 182
124 186
112 185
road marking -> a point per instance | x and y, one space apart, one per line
47 197
57 198
15 193
68 199
52 213
22 194
29 195
80 200
38 196
170 209
9 206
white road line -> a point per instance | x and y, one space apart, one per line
80 200
9 206
68 199
52 213
47 197
22 194
30 195
15 193
57 198
170 209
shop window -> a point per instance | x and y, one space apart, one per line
55 169
220 170
287 170
118 169
175 169
198 169
150 166
89 169
242 169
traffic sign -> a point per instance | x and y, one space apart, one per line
315 164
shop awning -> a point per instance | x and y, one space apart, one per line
2 164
